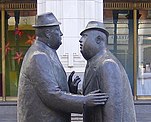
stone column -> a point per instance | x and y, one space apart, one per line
74 16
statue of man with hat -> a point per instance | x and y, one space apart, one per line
43 93
104 71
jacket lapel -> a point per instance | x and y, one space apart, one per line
91 71
50 53
88 76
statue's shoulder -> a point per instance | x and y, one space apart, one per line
106 57
108 60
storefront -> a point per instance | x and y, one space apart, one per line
128 23
17 35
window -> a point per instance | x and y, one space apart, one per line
19 36
120 24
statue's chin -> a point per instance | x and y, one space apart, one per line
85 55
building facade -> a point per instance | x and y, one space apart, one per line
127 22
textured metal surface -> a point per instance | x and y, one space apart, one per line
127 5
19 6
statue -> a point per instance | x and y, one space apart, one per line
104 71
43 93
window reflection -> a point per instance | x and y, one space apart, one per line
18 36
119 23
144 54
121 44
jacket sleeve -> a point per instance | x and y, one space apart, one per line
112 85
40 72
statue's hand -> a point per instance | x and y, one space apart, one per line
73 84
95 98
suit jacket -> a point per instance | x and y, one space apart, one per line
43 94
106 73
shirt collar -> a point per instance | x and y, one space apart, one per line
95 58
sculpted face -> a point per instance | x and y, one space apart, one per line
89 44
54 35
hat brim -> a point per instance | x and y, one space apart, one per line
99 29
47 25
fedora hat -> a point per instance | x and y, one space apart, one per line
45 20
96 26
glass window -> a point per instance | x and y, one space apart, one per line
19 37
119 23
144 54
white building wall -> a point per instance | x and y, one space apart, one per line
74 16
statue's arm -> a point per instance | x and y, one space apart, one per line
113 86
43 79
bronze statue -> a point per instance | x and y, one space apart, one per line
43 94
104 71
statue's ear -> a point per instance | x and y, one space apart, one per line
98 39
48 33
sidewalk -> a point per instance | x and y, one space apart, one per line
8 112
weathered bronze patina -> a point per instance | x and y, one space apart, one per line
43 94
104 71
